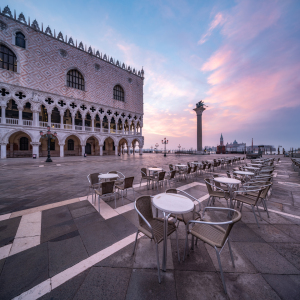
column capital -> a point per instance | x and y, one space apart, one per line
199 110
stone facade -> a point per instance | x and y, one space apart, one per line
37 94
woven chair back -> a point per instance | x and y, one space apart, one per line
189 170
128 182
171 167
144 172
171 191
208 185
235 218
144 205
204 166
195 168
228 174
93 178
161 176
173 173
108 187
188 164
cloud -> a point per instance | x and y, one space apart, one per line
218 20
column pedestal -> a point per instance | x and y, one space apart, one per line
101 150
82 150
3 150
141 150
61 150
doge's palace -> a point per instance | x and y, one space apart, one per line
92 101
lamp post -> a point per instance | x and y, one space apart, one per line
165 142
156 146
48 135
179 148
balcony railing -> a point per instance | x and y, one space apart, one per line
43 124
12 121
67 126
27 122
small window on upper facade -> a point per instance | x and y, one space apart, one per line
118 93
75 80
20 40
8 59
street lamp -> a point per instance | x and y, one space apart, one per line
179 148
165 142
48 135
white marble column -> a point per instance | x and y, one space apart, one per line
108 126
93 124
73 122
3 150
3 119
101 130
62 122
123 128
116 150
141 150
61 150
134 130
101 150
20 117
141 131
128 150
49 119
35 149
82 150
83 123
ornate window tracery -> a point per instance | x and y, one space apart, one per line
8 59
75 80
20 40
118 93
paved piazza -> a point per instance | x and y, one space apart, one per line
55 245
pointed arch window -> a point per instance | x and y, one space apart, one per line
8 59
118 93
75 80
20 40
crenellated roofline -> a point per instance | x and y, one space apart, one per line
6 12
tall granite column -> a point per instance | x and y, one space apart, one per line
199 110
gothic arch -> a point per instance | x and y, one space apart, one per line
62 139
6 137
94 136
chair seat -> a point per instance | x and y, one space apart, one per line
158 229
219 194
211 234
248 200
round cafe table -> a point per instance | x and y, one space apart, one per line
244 173
230 182
171 204
154 170
108 176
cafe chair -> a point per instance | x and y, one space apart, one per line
106 189
213 234
159 179
127 184
117 180
145 176
170 177
249 195
94 182
215 192
152 227
193 215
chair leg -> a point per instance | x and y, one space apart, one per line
255 215
122 197
135 242
258 212
99 203
186 248
221 270
192 247
115 201
231 253
177 246
158 265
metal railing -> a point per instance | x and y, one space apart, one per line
12 121
87 128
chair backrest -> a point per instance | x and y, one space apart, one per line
171 191
235 218
144 172
171 167
93 178
128 182
228 174
204 167
144 206
161 175
173 173
107 187
195 168
189 170
208 185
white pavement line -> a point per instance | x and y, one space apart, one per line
5 217
28 233
275 174
43 207
59 279
284 214
4 251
